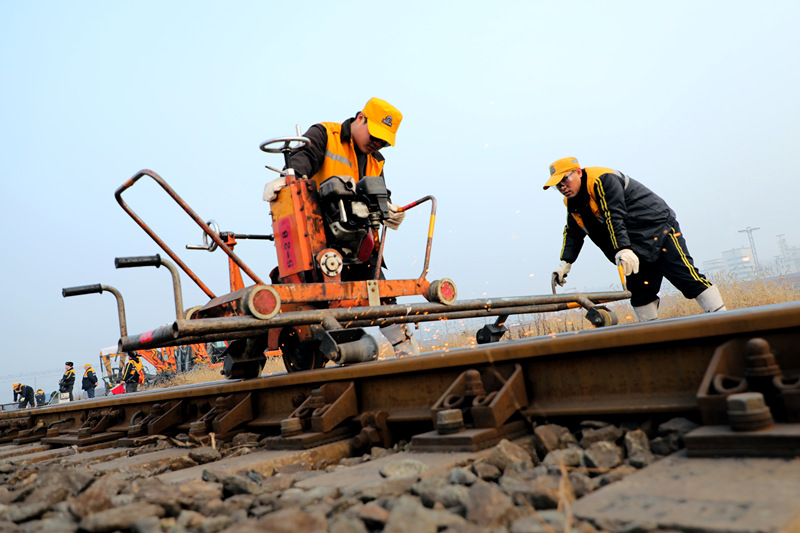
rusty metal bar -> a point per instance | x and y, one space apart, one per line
217 325
430 229
200 222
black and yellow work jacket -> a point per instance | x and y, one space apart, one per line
133 372
616 212
333 152
89 379
23 391
67 381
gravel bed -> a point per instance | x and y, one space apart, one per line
525 486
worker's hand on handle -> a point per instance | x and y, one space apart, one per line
396 218
560 273
628 261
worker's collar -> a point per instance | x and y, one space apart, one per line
583 193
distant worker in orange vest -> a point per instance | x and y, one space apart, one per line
634 228
351 149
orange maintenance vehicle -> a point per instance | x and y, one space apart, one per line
305 310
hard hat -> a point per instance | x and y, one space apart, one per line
87 365
15 385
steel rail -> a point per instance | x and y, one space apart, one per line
637 369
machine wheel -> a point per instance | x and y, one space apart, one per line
601 317
299 355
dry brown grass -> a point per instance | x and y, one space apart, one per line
206 374
736 295
461 333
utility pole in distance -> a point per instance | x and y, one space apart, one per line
749 232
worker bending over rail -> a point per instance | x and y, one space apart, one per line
25 395
352 149
634 228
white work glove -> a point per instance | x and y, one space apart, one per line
395 217
628 260
271 189
560 273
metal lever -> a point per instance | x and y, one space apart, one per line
98 289
156 261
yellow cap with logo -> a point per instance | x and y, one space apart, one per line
559 169
383 119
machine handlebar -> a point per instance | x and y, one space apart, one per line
83 289
138 261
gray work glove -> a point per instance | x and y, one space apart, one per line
628 260
560 273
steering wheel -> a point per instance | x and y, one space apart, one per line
266 146
286 148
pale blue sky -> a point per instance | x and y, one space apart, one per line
698 100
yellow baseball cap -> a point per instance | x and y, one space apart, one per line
383 119
559 169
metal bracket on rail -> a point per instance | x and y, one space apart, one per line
374 432
16 428
228 413
98 426
161 418
318 420
748 406
474 412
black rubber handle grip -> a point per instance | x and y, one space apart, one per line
140 261
83 289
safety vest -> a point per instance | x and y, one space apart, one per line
140 369
340 158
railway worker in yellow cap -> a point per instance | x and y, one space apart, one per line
352 149
634 228
89 381
25 395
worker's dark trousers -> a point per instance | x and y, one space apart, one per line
675 264
25 402
90 393
131 387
